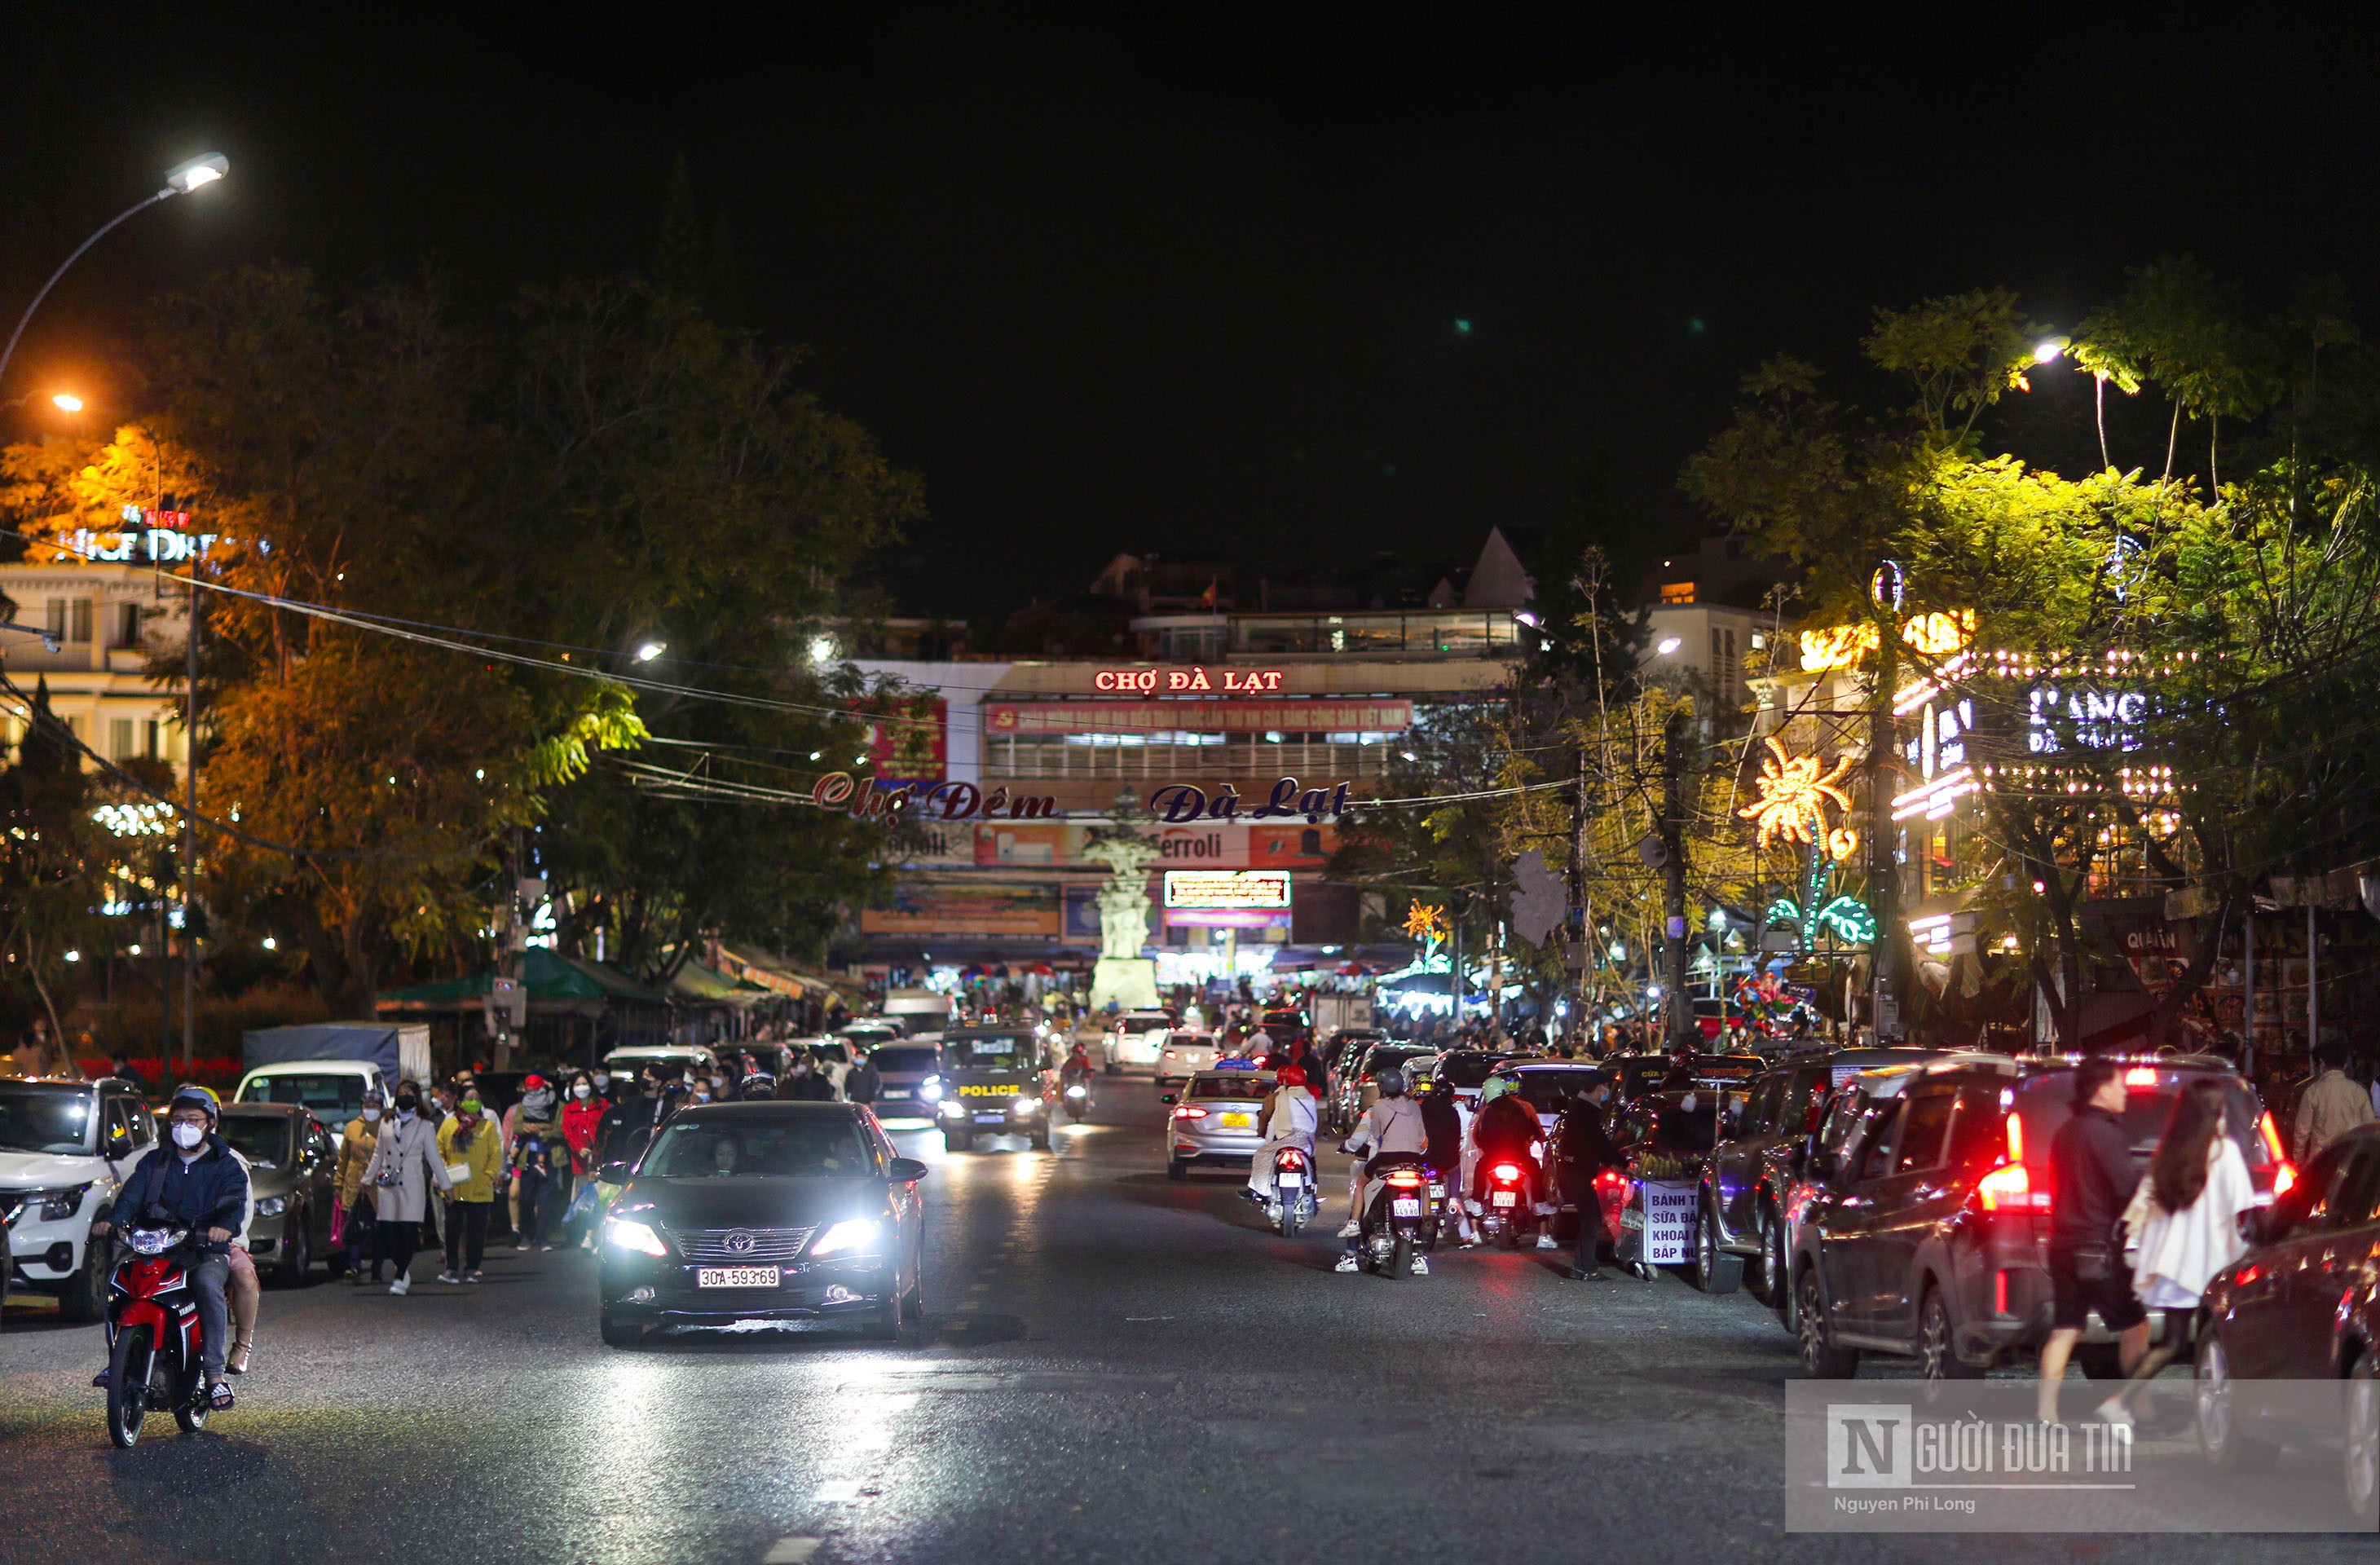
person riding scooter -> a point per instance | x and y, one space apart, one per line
1391 1128
1506 1131
1288 1118
199 1181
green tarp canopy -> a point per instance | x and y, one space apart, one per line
701 985
554 983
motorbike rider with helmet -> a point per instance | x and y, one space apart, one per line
1288 1118
199 1181
1393 1124
1506 1130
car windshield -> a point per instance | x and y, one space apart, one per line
45 1119
903 1062
2047 1102
1549 1091
993 1052
262 1139
1467 1068
1190 1040
813 1146
1145 1021
1639 1071
1688 1130
1388 1057
1256 1088
330 1094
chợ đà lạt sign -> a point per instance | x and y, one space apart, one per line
1187 681
1179 802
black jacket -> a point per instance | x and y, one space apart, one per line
2091 1168
1444 1127
862 1084
630 1114
1582 1147
210 1190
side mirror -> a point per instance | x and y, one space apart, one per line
614 1172
1168 1097
909 1171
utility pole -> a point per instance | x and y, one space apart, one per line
190 828
1883 873
1575 921
1675 930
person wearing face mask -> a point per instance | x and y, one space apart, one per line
196 1178
356 1229
472 1152
404 1170
582 1115
530 1127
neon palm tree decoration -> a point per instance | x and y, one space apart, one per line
1796 793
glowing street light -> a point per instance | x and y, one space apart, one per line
1669 645
180 180
66 402
650 649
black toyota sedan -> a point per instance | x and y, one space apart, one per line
789 1211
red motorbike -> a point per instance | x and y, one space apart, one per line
153 1338
1508 1205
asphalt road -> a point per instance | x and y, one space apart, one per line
1115 1367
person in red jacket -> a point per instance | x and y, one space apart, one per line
582 1113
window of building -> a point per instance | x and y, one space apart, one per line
128 625
1677 592
120 738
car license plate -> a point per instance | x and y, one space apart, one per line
1405 1207
896 1092
735 1276
1506 1198
990 1119
1290 1181
1239 1122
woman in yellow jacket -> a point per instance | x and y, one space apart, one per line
356 1231
474 1153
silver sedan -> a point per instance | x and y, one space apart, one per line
1213 1119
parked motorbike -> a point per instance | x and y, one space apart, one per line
1391 1225
1076 1100
1293 1200
1433 1222
155 1362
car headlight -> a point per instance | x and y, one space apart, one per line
50 1205
272 1206
630 1234
1023 1101
849 1237
930 1090
955 1109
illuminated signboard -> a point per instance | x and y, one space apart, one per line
1842 645
1031 720
2095 718
1187 681
149 534
1226 888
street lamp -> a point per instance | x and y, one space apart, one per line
180 180
66 402
648 650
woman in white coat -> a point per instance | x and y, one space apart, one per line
404 1168
2186 1219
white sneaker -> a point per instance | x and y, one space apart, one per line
2112 1410
448 1276
1346 1263
1421 1266
1352 1230
401 1287
1546 1242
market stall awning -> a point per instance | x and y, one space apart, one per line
556 984
699 985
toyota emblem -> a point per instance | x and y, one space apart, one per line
741 1242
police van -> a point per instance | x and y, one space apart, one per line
996 1081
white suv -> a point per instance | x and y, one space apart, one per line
65 1149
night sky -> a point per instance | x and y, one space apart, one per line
1200 279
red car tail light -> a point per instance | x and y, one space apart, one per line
1506 1173
2141 1076
1187 1112
2008 1188
2285 1176
1999 1292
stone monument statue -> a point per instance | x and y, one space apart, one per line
1123 974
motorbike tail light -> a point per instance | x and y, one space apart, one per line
1290 1158
1187 1112
1999 1292
2008 1188
1404 1179
1609 1178
1506 1173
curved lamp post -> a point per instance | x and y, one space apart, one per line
180 180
